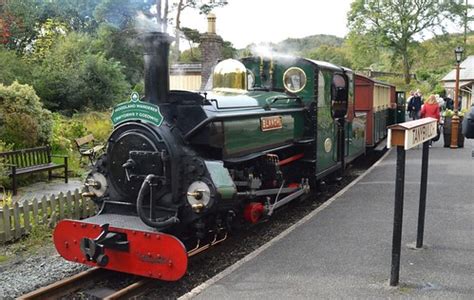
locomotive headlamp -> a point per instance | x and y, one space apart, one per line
198 195
458 52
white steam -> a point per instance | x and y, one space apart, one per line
145 24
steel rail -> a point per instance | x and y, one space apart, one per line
132 290
76 282
64 286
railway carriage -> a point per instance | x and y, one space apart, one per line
379 100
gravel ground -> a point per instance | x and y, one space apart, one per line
31 271
28 272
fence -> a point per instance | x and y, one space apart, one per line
18 220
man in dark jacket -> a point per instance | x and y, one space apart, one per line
415 106
468 124
449 103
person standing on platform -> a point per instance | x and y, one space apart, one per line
409 104
416 103
431 109
440 101
449 103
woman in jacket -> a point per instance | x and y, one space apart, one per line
431 109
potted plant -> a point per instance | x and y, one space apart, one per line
447 116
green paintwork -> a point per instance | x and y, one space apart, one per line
221 179
327 129
245 135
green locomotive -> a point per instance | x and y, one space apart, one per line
185 168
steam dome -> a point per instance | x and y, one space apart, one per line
230 75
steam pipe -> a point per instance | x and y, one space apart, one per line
141 195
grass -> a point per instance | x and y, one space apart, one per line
39 237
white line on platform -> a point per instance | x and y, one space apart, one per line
197 290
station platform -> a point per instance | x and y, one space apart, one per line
343 249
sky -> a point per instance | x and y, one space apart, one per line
243 22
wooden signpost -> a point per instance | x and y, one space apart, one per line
406 136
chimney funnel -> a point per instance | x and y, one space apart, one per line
156 55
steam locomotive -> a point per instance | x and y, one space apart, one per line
183 169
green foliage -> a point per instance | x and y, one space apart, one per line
4 179
50 32
190 55
12 67
300 45
23 120
335 55
73 77
228 50
65 130
97 123
395 24
117 45
362 52
21 19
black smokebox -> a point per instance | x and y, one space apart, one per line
156 54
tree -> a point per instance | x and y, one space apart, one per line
335 55
74 76
50 32
123 48
397 23
13 67
193 36
181 5
19 20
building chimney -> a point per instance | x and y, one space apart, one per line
156 54
211 50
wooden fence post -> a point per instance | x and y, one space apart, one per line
70 208
76 198
44 211
61 205
26 217
16 217
35 211
6 223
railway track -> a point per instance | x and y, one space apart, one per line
67 286
70 285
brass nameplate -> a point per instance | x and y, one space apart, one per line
271 123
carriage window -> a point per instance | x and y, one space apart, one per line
321 91
294 80
339 96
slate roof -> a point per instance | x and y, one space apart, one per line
466 73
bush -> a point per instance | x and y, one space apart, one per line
23 120
73 76
97 123
64 132
4 179
12 67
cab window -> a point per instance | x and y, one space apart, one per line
339 96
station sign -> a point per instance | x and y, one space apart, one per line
412 133
136 110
